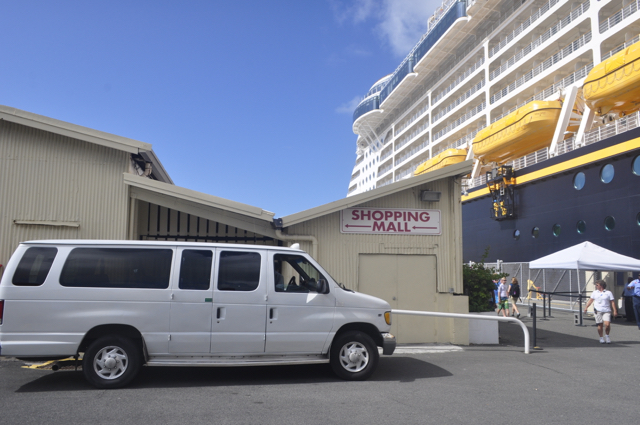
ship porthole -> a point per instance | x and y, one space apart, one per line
581 227
638 219
516 234
579 180
556 230
636 166
609 223
606 174
535 232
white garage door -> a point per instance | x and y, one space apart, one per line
407 282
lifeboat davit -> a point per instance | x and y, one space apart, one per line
522 132
443 159
613 86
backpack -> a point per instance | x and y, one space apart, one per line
515 291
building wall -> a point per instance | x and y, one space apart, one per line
340 253
57 179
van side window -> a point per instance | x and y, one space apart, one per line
34 266
293 273
117 268
195 269
239 271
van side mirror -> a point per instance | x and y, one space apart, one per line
323 286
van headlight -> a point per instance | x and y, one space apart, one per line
387 317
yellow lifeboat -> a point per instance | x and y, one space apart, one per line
443 159
522 132
613 86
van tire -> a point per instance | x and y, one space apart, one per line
354 356
111 362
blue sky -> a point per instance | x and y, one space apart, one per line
246 100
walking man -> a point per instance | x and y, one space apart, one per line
604 304
635 285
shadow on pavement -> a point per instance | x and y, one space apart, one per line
399 369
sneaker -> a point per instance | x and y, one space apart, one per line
518 315
601 340
607 339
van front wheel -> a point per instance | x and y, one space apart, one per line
111 362
354 356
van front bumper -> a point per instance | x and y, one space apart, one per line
388 344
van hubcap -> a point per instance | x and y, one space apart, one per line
110 362
354 356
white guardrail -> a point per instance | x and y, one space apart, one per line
470 317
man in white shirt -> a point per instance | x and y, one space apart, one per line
604 304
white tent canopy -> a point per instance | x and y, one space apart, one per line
586 256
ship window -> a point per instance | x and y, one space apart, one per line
516 235
579 180
636 166
609 223
556 230
535 232
638 219
606 174
581 227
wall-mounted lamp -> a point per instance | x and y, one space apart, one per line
430 196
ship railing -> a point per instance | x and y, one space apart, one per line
355 175
386 155
385 170
545 93
352 189
458 80
466 95
463 141
409 170
411 120
616 127
546 64
359 160
523 26
563 23
474 111
412 152
384 183
411 136
604 132
621 47
619 16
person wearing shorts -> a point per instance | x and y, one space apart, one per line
604 303
503 305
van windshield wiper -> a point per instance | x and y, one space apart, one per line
345 288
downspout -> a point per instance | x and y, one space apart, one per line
304 238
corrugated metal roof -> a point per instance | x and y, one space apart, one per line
461 168
72 130
197 197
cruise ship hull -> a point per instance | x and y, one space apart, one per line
545 197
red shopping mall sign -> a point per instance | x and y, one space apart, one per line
396 221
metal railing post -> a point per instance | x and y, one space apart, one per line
533 316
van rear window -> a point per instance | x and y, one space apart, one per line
34 266
117 268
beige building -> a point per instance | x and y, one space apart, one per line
64 181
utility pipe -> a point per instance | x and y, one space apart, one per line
303 238
470 317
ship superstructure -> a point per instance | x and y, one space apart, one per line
477 64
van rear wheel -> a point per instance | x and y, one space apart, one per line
111 362
354 356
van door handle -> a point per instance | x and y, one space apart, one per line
271 313
218 313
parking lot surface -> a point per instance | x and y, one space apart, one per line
573 379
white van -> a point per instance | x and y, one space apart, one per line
122 304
